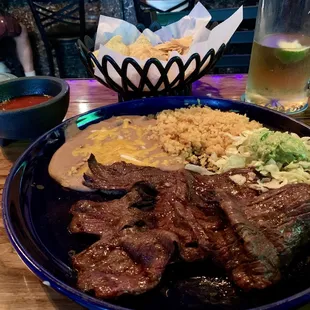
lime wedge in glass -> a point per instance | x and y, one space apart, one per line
291 52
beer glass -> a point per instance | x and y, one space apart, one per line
280 61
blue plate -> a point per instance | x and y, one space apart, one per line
36 221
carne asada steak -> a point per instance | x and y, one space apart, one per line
99 218
168 216
131 262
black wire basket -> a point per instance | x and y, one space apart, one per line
179 86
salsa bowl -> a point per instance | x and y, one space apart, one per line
31 122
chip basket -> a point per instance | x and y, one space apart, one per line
180 86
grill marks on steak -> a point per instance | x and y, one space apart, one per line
99 218
270 230
122 176
283 216
176 215
173 210
247 254
204 185
131 262
251 236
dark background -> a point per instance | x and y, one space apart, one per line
117 8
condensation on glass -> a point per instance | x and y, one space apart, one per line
280 61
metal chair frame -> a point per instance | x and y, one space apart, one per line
46 18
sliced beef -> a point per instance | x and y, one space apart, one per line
172 212
176 215
249 257
123 176
98 218
131 262
204 186
253 237
202 195
263 236
283 216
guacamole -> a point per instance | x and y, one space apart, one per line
282 147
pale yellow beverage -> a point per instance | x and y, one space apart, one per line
279 72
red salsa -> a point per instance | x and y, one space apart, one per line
23 102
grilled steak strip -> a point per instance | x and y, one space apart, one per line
283 216
245 252
252 237
122 176
99 218
131 262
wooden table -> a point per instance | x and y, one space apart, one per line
19 288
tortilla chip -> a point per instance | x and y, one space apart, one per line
169 47
116 44
186 41
140 51
159 54
142 48
140 45
142 39
178 45
163 46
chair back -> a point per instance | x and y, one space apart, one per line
71 13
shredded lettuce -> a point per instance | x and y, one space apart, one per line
238 179
198 169
281 157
